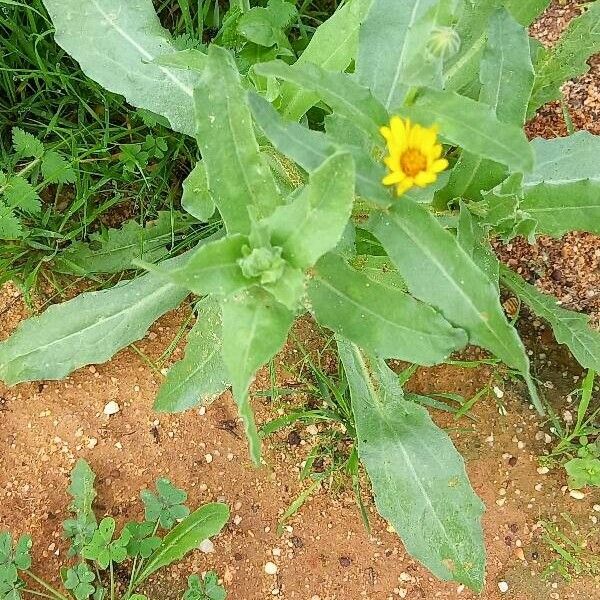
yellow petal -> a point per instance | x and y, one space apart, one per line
428 138
404 186
394 178
416 136
436 151
425 178
399 129
439 165
386 132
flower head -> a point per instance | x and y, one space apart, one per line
414 155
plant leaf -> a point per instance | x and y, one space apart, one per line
237 174
82 490
20 194
438 271
338 90
56 169
570 327
332 47
91 328
255 328
202 524
201 375
474 127
418 478
115 44
10 224
313 223
393 54
26 145
526 12
196 198
385 321
568 58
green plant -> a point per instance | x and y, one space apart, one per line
96 551
309 225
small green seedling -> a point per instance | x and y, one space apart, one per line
167 535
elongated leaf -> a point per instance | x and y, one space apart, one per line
255 328
570 327
315 221
311 148
393 53
568 59
237 174
210 269
115 44
438 271
332 47
385 321
526 12
82 491
201 376
474 127
338 90
196 198
202 524
115 250
89 329
418 478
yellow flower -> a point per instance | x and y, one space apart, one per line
414 155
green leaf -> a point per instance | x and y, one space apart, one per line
56 169
200 376
583 472
196 198
211 268
19 193
142 541
332 47
526 12
89 329
338 90
255 328
116 45
569 327
474 127
238 176
202 524
385 321
103 549
82 490
26 145
418 477
166 506
22 556
568 58
393 50
79 581
115 250
10 224
207 589
265 26
438 271
313 223
310 149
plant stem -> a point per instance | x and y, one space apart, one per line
243 5
131 579
112 582
36 593
53 591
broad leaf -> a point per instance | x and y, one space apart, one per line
313 223
332 47
115 44
196 198
418 478
237 174
89 329
474 127
310 149
570 327
393 49
202 524
568 58
383 320
255 328
526 12
200 376
338 90
438 271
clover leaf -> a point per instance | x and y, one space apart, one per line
165 507
79 581
207 589
80 531
103 549
142 542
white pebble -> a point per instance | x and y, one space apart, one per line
312 429
577 494
543 470
271 568
206 546
498 392
112 408
208 458
503 587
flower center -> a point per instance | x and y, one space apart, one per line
413 162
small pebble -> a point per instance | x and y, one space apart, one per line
208 458
206 546
503 587
498 392
577 494
543 470
112 408
271 568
